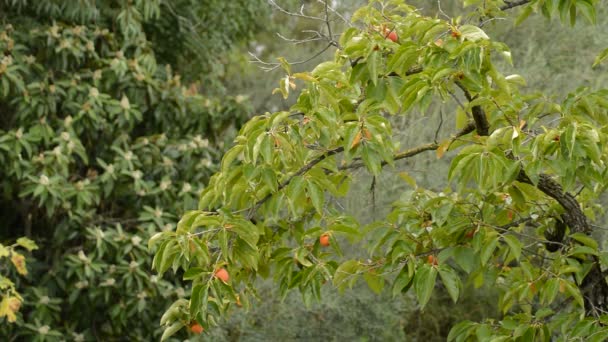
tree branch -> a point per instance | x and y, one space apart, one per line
481 121
300 172
513 4
470 127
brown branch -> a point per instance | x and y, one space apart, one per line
470 127
593 287
479 116
513 4
300 172
574 216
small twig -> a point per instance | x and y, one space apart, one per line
441 11
327 23
464 109
439 126
470 127
301 14
314 38
336 13
272 66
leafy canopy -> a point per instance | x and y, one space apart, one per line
525 181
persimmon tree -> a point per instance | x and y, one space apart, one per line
521 213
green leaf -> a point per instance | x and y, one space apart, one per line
185 223
588 10
583 250
345 274
550 291
172 329
472 32
451 281
465 258
317 195
574 291
523 15
460 331
488 249
373 61
600 58
374 281
514 245
193 273
585 240
27 243
424 283
402 281
196 300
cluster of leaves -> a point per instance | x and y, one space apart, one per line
11 299
273 197
101 146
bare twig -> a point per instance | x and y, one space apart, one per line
336 13
441 11
293 14
269 66
439 126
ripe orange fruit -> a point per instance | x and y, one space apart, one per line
222 274
432 260
392 35
324 240
196 328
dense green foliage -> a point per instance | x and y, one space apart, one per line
527 183
103 143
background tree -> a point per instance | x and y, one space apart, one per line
532 162
105 139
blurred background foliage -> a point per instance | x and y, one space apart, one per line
116 171
112 118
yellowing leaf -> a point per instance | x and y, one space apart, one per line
18 261
9 307
304 76
443 148
27 243
3 251
356 141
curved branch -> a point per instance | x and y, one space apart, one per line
481 121
513 4
300 172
